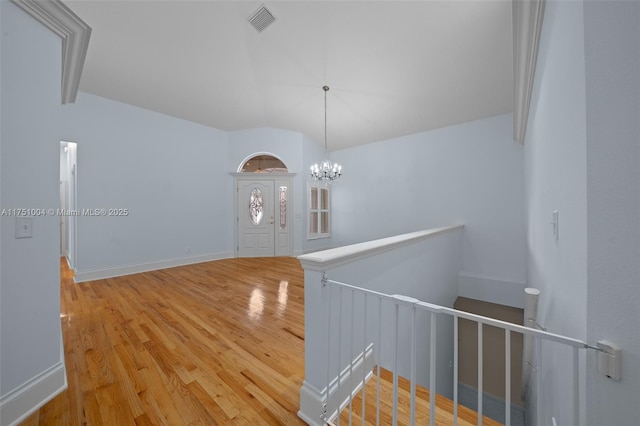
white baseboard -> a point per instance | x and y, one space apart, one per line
100 274
312 400
489 289
23 401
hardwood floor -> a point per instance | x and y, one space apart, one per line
444 406
212 343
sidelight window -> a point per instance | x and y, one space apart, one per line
282 198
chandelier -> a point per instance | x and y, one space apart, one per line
327 172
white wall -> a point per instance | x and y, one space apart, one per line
582 158
555 176
612 46
31 363
170 174
174 177
470 173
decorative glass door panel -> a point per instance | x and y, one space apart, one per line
256 219
256 211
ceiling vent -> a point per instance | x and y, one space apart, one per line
261 19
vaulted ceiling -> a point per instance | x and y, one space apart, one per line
394 67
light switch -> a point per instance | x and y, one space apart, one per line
24 227
555 225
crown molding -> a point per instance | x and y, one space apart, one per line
527 27
73 31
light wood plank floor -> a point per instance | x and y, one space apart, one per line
444 406
213 343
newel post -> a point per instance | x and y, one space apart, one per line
316 303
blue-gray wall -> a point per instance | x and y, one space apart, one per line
170 174
30 334
470 174
612 57
582 158
555 164
174 177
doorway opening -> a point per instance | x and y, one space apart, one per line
68 212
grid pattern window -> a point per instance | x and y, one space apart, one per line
319 211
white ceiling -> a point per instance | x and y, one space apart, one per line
394 67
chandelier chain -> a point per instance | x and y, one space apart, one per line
326 89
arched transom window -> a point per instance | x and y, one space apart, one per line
264 164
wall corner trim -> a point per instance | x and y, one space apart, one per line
527 27
73 31
20 403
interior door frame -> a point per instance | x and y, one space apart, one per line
70 176
273 177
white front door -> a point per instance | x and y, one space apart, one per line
263 211
256 219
